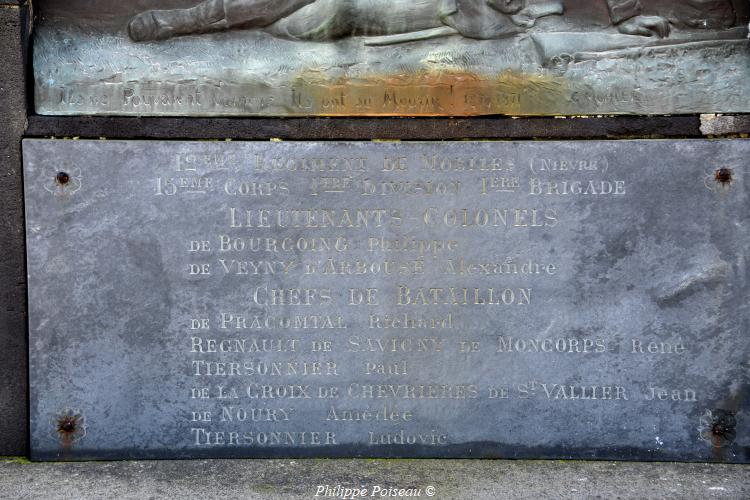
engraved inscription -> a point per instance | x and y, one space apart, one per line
381 299
393 58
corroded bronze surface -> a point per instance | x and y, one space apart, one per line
386 58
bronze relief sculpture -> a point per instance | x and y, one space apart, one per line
332 19
391 57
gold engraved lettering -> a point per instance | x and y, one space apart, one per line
385 413
402 438
452 296
660 394
204 437
395 344
412 391
641 347
302 164
233 321
552 345
360 218
491 218
539 187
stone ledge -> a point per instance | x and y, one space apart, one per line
292 479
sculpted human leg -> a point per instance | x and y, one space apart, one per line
332 19
210 15
320 21
628 17
697 14
260 13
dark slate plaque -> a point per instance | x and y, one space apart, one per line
468 299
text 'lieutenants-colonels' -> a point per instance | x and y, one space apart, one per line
355 277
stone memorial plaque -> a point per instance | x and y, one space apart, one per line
461 299
391 57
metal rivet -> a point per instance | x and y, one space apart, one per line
723 176
62 178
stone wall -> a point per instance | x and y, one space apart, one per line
13 379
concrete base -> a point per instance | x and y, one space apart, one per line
291 479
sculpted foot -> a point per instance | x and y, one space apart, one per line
527 17
163 24
149 26
143 27
646 26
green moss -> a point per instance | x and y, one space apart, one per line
14 460
264 488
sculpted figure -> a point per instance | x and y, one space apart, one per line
396 21
700 14
626 14
332 19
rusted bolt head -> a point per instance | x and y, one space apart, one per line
720 429
67 425
62 178
723 176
